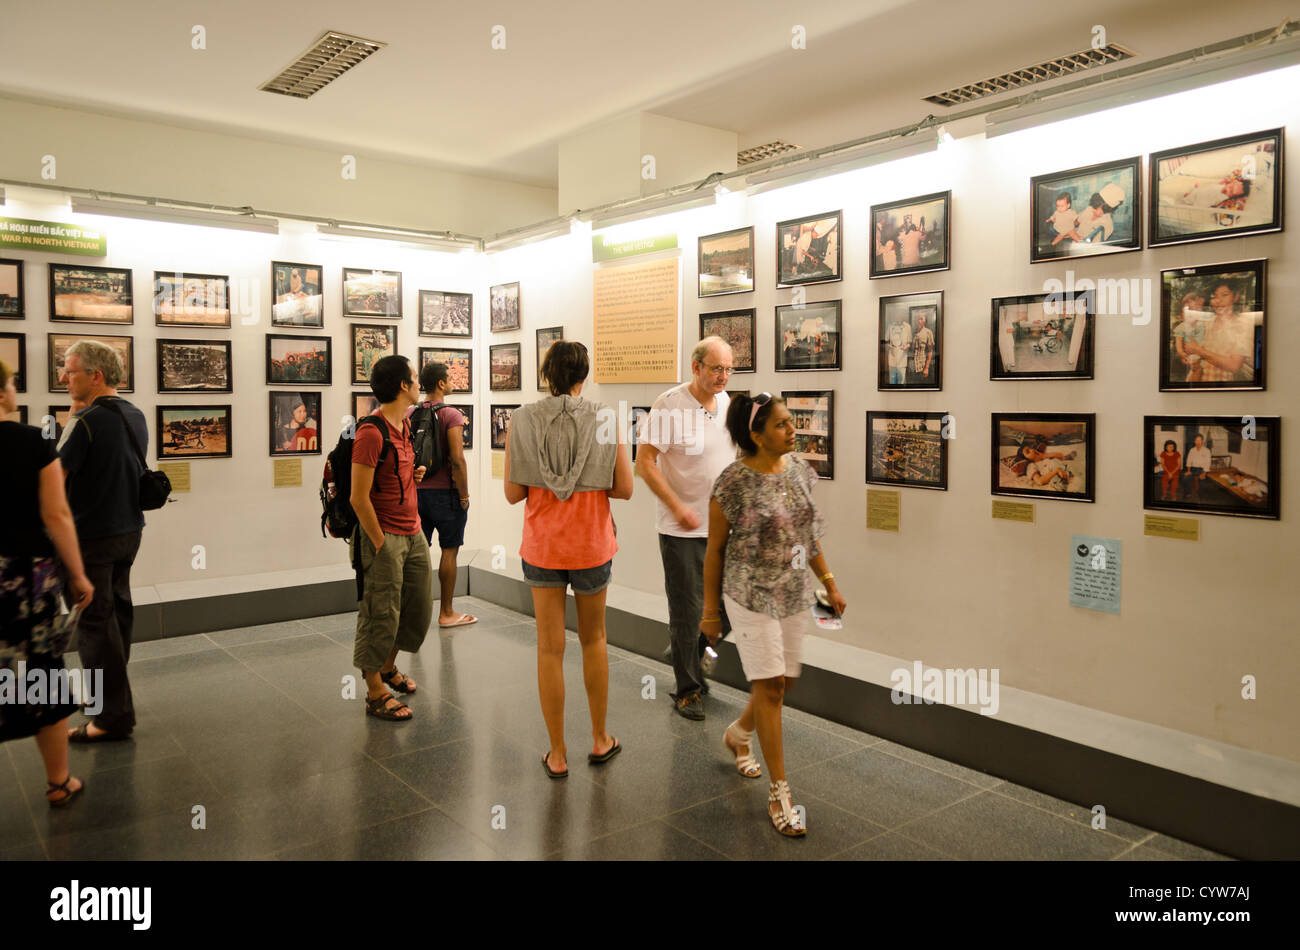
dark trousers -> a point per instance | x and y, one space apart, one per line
104 632
684 584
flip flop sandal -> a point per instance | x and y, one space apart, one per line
551 773
609 753
378 709
464 621
83 735
403 684
68 794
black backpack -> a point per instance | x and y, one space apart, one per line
337 519
427 439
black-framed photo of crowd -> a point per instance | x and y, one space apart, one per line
13 351
638 431
57 350
911 236
500 425
80 293
370 344
443 313
504 309
460 365
505 373
194 366
466 432
189 432
1218 465
1045 455
292 359
907 448
191 300
813 414
297 295
737 327
1220 189
1212 326
1086 211
1043 336
911 342
545 337
11 290
295 423
727 262
808 336
364 404
372 293
808 250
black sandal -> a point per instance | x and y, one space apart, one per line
68 794
404 686
551 773
379 708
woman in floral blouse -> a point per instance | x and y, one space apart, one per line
763 531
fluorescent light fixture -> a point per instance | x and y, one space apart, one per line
2 196
650 207
447 242
529 235
171 215
845 160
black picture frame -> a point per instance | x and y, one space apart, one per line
504 307
59 415
460 365
289 435
362 363
13 300
297 299
891 239
467 432
1183 182
814 443
363 404
1038 332
372 294
637 430
1089 188
794 341
910 310
804 246
443 308
22 415
108 287
728 269
545 337
907 448
208 427
1247 279
194 366
500 421
505 378
738 328
57 345
13 350
1015 475
318 368
1229 489
183 299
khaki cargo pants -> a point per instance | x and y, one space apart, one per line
396 605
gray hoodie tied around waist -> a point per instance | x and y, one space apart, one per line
553 445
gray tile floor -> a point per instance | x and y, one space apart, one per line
246 748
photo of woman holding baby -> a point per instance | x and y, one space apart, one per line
1212 327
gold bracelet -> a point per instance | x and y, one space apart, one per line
826 577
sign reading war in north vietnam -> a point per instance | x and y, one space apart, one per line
28 234
636 322
1095 572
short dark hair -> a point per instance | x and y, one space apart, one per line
388 377
566 364
1067 196
431 374
738 420
1169 442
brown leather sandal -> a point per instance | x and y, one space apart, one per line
379 708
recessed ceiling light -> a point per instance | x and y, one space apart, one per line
1029 75
332 55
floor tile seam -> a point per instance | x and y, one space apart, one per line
939 771
832 857
27 803
1134 846
276 686
414 790
930 814
654 820
1045 811
295 847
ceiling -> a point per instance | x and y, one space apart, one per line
440 95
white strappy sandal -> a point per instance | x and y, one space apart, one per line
787 821
733 738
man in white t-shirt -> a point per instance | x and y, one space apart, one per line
683 450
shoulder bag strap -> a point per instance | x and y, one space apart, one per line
130 433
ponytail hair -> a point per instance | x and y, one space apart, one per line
738 420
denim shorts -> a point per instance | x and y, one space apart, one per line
440 509
587 580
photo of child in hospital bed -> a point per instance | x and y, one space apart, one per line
1049 455
1224 188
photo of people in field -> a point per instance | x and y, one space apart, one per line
193 432
90 294
298 359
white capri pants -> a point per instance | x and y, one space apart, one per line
768 647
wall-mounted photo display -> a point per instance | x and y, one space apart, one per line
443 313
22 415
11 290
80 293
737 327
1045 455
372 293
460 365
190 300
911 236
194 366
187 432
295 423
467 432
364 404
1218 465
813 413
907 448
1212 326
638 431
1086 211
299 359
13 351
808 250
1043 336
297 298
911 342
57 355
733 393
808 336
500 423
727 263
545 337
61 416
505 373
1225 188
505 307
370 344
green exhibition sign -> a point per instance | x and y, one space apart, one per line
27 234
603 249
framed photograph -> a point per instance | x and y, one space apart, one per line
1218 465
446 314
505 307
727 263
737 327
363 404
636 432
370 344
1045 455
1086 211
500 422
299 359
808 336
467 433
190 300
1212 326
22 415
80 293
60 415
813 412
460 365
372 293
808 250
911 236
545 337
1042 336
194 366
13 351
911 342
58 348
11 290
187 432
504 362
1225 188
733 393
907 448
295 425
297 298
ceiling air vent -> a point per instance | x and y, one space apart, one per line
331 56
1029 75
761 152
